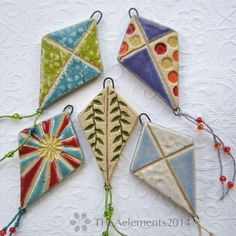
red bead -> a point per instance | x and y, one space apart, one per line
230 184
199 120
227 149
12 230
131 29
3 232
222 178
218 145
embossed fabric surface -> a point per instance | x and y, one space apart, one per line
207 40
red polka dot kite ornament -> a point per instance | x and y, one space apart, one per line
154 59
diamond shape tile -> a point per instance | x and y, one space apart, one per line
159 67
60 74
50 154
171 168
107 122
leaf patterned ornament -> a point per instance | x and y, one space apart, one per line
107 122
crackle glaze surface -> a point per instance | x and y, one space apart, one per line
207 69
69 58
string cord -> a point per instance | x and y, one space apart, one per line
17 219
219 144
109 210
201 227
11 154
17 116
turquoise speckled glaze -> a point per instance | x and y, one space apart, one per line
75 74
70 36
70 57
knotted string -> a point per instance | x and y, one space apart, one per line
16 219
109 210
220 146
201 227
17 116
11 154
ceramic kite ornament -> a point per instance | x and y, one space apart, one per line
69 58
48 153
107 122
164 159
150 52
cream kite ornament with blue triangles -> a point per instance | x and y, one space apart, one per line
164 159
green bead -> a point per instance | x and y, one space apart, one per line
10 154
16 116
111 209
105 233
106 214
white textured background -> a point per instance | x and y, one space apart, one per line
207 87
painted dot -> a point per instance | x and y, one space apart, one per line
135 40
176 55
172 41
167 62
160 48
124 48
173 76
130 29
176 91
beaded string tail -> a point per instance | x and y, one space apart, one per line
17 116
201 227
220 147
15 220
108 213
11 153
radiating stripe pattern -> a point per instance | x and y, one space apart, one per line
50 154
